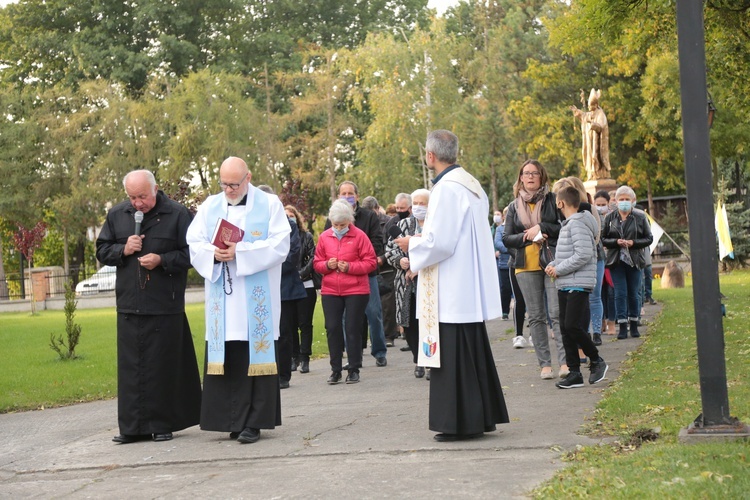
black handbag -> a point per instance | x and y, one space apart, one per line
546 255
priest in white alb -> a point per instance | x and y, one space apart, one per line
457 292
243 304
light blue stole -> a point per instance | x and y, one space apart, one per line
257 295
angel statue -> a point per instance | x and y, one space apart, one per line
595 133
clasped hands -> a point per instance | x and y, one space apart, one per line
226 254
625 243
134 245
334 264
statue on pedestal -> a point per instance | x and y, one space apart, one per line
595 134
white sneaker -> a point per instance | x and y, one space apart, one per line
519 342
530 342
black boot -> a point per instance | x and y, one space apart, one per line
304 366
295 364
597 339
634 329
623 331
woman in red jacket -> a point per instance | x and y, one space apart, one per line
344 257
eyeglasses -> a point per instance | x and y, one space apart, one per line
231 185
533 173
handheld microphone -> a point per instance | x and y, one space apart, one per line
138 216
394 232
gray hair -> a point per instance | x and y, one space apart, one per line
341 212
370 203
149 177
625 190
356 189
444 144
266 188
421 192
403 196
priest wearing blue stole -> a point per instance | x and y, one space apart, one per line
457 291
243 304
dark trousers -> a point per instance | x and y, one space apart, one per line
302 342
411 332
519 309
350 308
575 316
627 280
287 329
608 301
506 292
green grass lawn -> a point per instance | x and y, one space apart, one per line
34 377
659 390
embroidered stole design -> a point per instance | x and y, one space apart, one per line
427 285
257 296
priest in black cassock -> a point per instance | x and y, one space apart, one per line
457 291
158 384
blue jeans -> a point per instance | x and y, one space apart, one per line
595 299
374 313
627 282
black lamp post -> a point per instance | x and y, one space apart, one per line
715 419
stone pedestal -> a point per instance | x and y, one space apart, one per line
596 185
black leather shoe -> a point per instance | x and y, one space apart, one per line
335 378
130 438
427 374
304 367
164 436
352 378
406 348
419 371
234 435
443 437
295 364
283 384
249 435
381 361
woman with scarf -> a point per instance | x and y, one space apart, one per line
626 235
344 257
406 280
531 221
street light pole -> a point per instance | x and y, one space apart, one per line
715 418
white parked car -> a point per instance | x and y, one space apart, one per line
102 281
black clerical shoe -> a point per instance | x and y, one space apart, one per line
405 348
234 435
419 371
304 367
249 435
442 437
283 384
130 438
163 436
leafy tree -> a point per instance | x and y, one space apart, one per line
27 241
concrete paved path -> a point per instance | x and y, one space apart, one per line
368 440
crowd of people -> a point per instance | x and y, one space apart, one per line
428 269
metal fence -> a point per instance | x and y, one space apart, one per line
44 282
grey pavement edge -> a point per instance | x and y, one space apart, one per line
366 440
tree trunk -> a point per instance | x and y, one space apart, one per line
66 253
3 284
31 294
331 139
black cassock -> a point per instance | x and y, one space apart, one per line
158 384
465 392
234 401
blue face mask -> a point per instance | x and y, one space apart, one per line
624 206
340 233
419 211
351 200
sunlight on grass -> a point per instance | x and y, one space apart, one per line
34 377
659 390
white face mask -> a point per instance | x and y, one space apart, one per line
419 211
497 219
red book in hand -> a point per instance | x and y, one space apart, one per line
226 231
